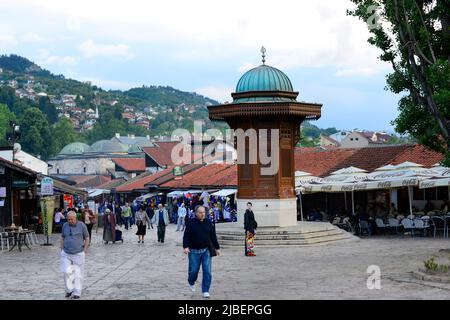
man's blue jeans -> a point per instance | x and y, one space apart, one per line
126 221
197 257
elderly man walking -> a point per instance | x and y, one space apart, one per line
74 244
161 219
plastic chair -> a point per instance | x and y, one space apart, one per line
394 223
438 224
6 239
419 224
408 224
364 225
380 224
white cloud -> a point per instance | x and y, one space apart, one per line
356 72
7 41
73 23
33 38
90 49
104 83
245 67
45 59
310 33
221 94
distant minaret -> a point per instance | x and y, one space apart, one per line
96 112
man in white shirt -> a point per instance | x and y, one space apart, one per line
181 217
59 216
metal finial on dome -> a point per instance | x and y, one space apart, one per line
263 51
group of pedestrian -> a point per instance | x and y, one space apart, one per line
199 241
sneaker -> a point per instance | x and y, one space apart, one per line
205 294
68 294
75 297
192 288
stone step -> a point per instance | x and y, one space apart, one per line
261 232
290 236
277 238
318 240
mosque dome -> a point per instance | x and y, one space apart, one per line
75 148
107 146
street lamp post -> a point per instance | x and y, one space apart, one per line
13 137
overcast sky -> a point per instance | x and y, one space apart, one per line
205 46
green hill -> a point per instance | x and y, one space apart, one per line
60 108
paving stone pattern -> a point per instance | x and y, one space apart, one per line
159 271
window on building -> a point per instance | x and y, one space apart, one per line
351 139
84 169
57 170
356 139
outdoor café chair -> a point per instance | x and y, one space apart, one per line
408 224
438 224
419 224
380 224
393 223
447 223
6 239
364 225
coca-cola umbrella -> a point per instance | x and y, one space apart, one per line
302 178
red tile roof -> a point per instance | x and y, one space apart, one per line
130 164
186 170
112 184
161 153
138 183
211 175
85 181
418 154
322 162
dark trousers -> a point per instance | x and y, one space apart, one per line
126 221
89 227
161 232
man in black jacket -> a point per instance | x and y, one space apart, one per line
197 237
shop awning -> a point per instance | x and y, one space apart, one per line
176 193
224 192
145 197
96 192
65 188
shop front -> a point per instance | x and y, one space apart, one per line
18 204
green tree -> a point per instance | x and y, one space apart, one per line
63 133
36 138
48 109
7 96
5 117
414 39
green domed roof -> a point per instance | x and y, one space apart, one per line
75 148
107 146
263 78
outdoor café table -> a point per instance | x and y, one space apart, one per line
10 229
20 238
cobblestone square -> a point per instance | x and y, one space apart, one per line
159 271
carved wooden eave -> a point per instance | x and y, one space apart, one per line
310 111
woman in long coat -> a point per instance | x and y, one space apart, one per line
109 226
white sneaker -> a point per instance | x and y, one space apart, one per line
192 288
205 294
